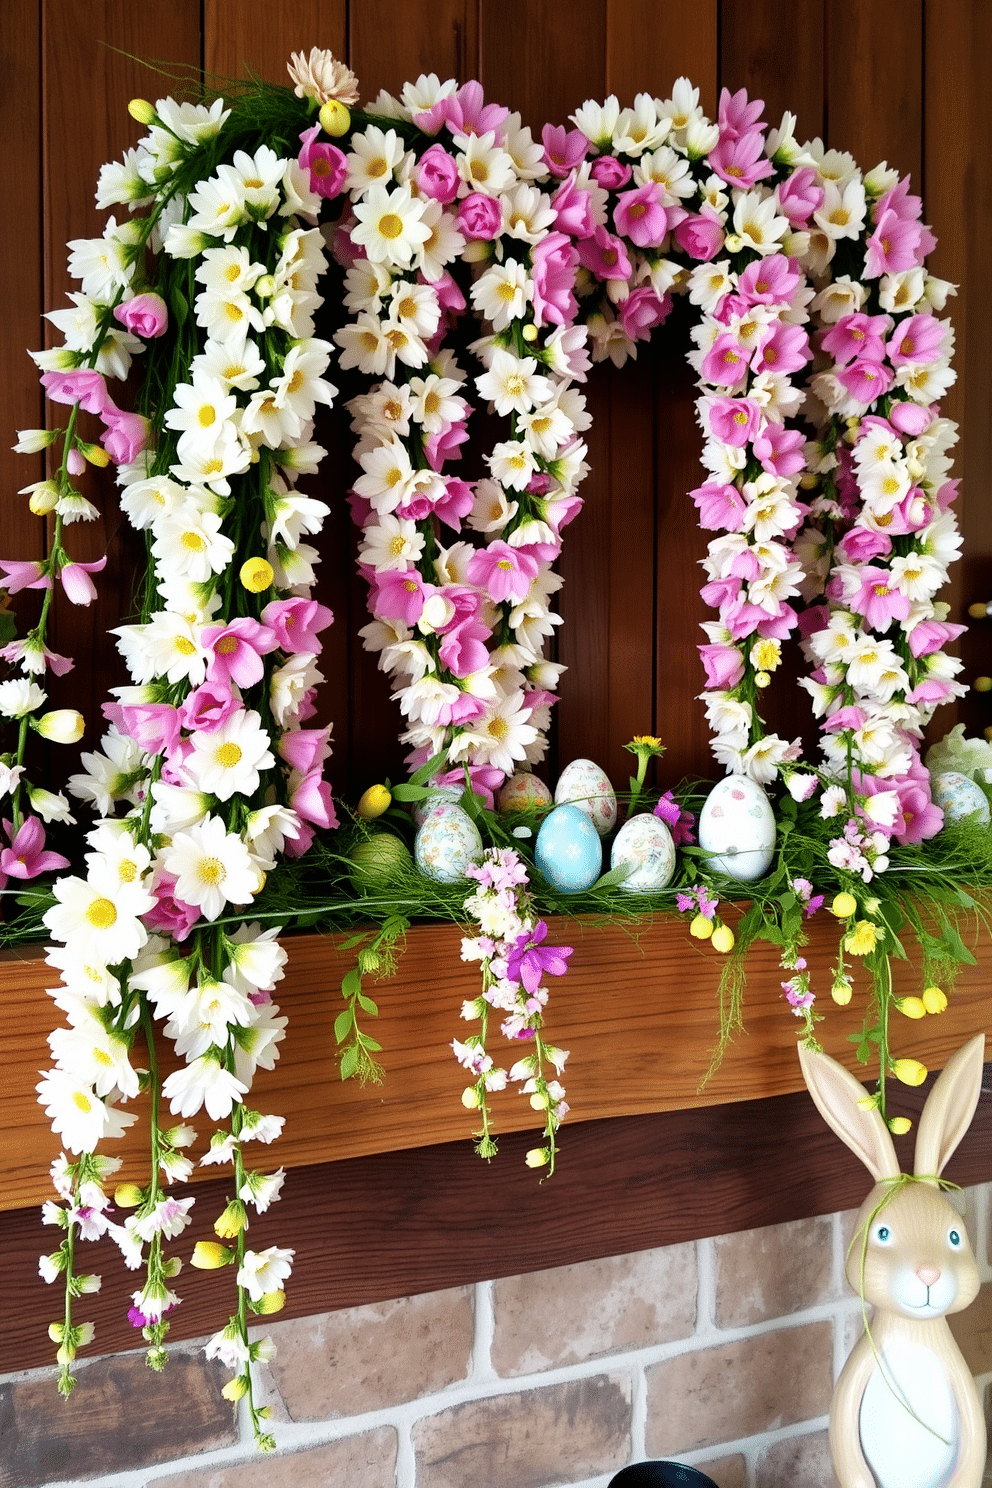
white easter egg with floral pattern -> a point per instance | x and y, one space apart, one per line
523 792
585 785
644 844
737 829
447 842
958 796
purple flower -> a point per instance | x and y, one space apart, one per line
528 962
679 822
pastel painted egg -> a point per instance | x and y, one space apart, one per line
447 842
585 785
439 793
737 829
644 844
568 851
523 792
959 796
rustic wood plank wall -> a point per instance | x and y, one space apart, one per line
912 93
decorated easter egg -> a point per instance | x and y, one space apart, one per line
568 851
378 861
446 843
959 796
644 845
585 785
737 829
438 793
523 792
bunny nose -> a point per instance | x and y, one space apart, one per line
928 1275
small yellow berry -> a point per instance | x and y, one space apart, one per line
256 574
977 611
911 1007
374 802
44 499
142 110
762 679
701 927
471 1099
982 684
909 1071
899 1125
841 993
934 1000
529 332
844 905
538 1157
235 1389
723 939
335 118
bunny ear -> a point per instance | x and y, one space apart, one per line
949 1108
836 1094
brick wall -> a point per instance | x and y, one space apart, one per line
719 1352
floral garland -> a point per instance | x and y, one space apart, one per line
814 303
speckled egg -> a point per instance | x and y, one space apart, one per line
959 796
737 829
447 842
523 792
644 844
568 851
585 785
438 793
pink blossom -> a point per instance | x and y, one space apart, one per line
51 660
876 600
910 418
736 115
326 164
785 350
724 666
503 572
437 174
640 215
929 635
75 579
155 726
857 337
895 245
553 265
769 281
573 206
850 717
862 544
296 623
564 149
484 780
700 235
605 256
721 507
641 311
468 112
449 296
146 315
24 573
725 364
610 173
456 502
400 595
311 799
480 217
237 650
295 847
126 436
679 821
734 421
170 915
209 706
82 386
463 709
918 339
920 818
444 445
865 381
173 767
741 162
305 749
780 450
800 196
26 856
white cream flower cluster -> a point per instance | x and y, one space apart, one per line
208 752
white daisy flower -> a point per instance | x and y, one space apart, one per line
374 157
80 1119
203 1083
390 225
290 683
102 930
190 542
390 543
95 1056
168 646
434 402
212 868
257 959
228 270
512 463
503 293
265 1271
443 244
513 384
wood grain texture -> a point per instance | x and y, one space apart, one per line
396 1224
638 1012
261 35
778 56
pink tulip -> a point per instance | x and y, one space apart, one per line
146 315
75 578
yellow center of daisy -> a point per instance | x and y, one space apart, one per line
82 1102
228 755
206 416
377 167
184 646
390 226
210 870
507 291
127 870
194 541
397 545
407 307
498 728
232 272
226 645
295 382
101 914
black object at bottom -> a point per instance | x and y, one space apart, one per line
661 1475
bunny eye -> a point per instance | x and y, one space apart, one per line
883 1234
954 1238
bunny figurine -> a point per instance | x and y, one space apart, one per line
905 1411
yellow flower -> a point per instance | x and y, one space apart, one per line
142 110
235 1388
909 1071
701 927
723 939
256 574
841 992
863 939
911 1007
271 1302
232 1221
844 906
765 654
128 1196
93 454
899 1125
934 1000
209 1256
537 1157
374 802
471 1098
335 118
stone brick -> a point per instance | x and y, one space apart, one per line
800 1459
120 1415
972 1329
572 1313
367 1461
736 1390
726 1472
533 1439
370 1358
773 1272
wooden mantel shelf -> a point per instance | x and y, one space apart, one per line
638 1012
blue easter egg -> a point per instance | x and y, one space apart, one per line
568 850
